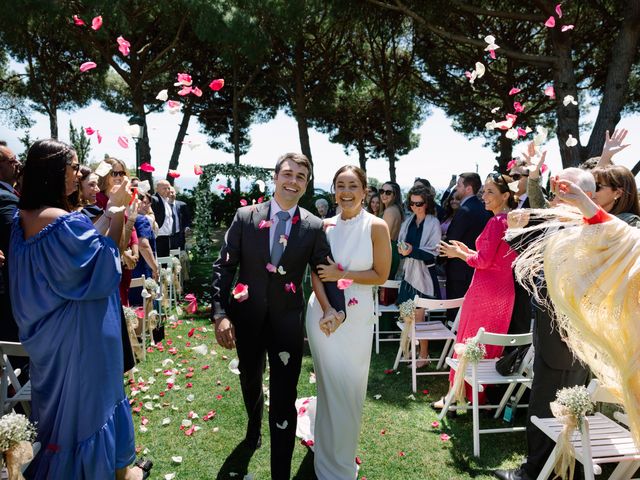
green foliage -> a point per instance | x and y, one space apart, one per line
213 209
80 142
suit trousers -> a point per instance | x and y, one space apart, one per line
546 382
164 243
280 337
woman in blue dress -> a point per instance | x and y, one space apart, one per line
64 280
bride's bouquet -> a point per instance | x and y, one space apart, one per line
16 435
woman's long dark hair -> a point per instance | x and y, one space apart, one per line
397 197
44 177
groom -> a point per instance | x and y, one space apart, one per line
272 243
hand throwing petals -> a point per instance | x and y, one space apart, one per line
87 66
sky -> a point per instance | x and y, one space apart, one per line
441 153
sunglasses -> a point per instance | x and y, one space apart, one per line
518 176
416 204
74 166
600 186
118 174
385 192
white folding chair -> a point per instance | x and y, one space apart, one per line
22 393
394 335
600 440
430 330
141 341
167 263
176 252
484 373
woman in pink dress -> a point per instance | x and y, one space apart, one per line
489 300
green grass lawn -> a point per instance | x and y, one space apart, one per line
397 439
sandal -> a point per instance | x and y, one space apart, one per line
144 465
420 363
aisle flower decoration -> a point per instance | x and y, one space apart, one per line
16 435
570 407
468 352
407 316
177 268
131 319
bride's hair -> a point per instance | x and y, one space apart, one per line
360 173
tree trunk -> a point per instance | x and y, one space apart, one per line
236 128
177 145
362 156
565 84
143 143
300 111
505 147
53 121
616 87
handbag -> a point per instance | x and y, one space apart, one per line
511 362
387 296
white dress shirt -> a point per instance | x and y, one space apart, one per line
167 226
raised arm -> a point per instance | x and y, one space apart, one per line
612 145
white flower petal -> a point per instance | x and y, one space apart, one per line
103 169
143 186
163 95
169 476
177 460
233 366
190 397
480 69
490 39
166 421
377 396
284 356
512 134
201 349
186 423
571 141
261 185
282 426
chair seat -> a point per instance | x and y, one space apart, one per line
608 438
388 309
24 394
487 374
431 330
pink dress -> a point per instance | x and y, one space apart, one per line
489 300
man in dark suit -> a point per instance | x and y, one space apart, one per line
468 222
9 167
268 321
181 219
554 366
164 217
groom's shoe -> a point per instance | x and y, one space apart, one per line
514 474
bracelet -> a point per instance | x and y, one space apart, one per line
600 217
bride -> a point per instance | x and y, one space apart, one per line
341 351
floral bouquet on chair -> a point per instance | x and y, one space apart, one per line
16 435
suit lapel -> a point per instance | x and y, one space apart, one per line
260 214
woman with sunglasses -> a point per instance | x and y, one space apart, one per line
491 295
617 194
418 243
392 213
64 288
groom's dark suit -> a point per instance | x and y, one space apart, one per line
270 320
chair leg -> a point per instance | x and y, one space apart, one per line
414 379
549 464
504 400
398 356
476 416
587 456
448 400
376 326
443 355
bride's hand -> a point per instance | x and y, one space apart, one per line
331 320
330 272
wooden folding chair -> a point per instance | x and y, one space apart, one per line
484 373
430 330
379 310
600 440
21 393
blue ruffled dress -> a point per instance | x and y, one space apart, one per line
64 290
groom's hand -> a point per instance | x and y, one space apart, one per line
225 333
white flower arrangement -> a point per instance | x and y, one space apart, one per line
574 401
150 285
407 309
474 351
15 428
131 317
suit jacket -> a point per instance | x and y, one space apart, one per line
184 219
157 205
246 247
467 223
8 205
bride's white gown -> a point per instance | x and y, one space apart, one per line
341 360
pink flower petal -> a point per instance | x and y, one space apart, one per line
123 142
98 136
96 23
492 54
512 163
566 28
521 132
435 424
173 104
295 219
544 168
352 302
89 131
290 287
184 79
271 268
514 90
260 200
123 46
550 23
240 292
264 224
559 10
197 169
344 283
147 167
511 117
243 202
217 84
87 66
196 91
184 91
78 21
444 437
467 74
550 92
173 174
517 106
